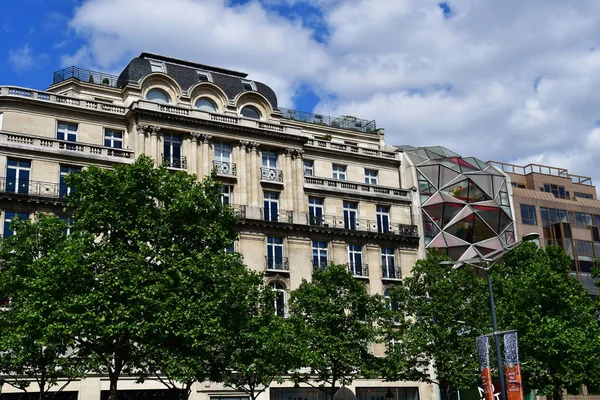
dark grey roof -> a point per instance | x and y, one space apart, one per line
185 74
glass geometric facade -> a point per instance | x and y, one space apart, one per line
465 203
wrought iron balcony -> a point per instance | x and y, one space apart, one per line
174 162
271 174
356 224
33 189
84 75
391 272
277 263
360 270
319 264
277 215
224 168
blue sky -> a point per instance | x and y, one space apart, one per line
510 81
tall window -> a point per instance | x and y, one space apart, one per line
350 214
388 263
528 216
269 159
390 302
383 219
315 211
309 167
271 206
68 221
66 131
275 253
371 176
113 138
226 194
17 176
222 152
339 172
64 189
10 216
280 298
172 151
355 259
319 250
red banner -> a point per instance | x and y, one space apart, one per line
514 382
487 384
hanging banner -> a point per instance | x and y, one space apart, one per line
483 353
514 381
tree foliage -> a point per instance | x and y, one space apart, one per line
442 311
336 319
556 320
32 341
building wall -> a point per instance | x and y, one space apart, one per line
28 133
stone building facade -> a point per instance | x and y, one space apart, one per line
310 190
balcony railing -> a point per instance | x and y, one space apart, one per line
328 221
174 162
391 272
277 263
34 189
362 188
245 212
344 121
271 174
224 168
85 75
351 148
319 264
277 215
43 143
361 270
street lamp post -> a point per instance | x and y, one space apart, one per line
486 264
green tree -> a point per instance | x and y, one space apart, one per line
263 346
33 346
442 311
556 320
145 256
336 318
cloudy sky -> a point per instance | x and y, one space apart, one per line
510 80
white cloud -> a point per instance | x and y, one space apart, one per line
466 82
21 59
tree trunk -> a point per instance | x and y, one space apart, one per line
557 393
114 380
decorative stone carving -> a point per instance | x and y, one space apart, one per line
244 145
148 130
253 146
294 153
195 136
204 137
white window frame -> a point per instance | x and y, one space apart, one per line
380 214
269 159
387 257
350 210
221 148
248 82
18 168
339 172
227 192
352 252
308 166
280 289
371 176
320 252
157 66
207 74
66 131
273 246
111 137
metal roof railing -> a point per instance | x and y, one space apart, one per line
343 122
85 75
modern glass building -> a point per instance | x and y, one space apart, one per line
466 207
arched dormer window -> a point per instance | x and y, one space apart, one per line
280 298
250 112
158 96
205 104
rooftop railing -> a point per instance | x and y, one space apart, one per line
541 169
343 122
85 75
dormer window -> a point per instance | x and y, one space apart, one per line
248 85
157 66
158 96
204 76
205 104
250 112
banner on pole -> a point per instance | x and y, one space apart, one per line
483 353
514 381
